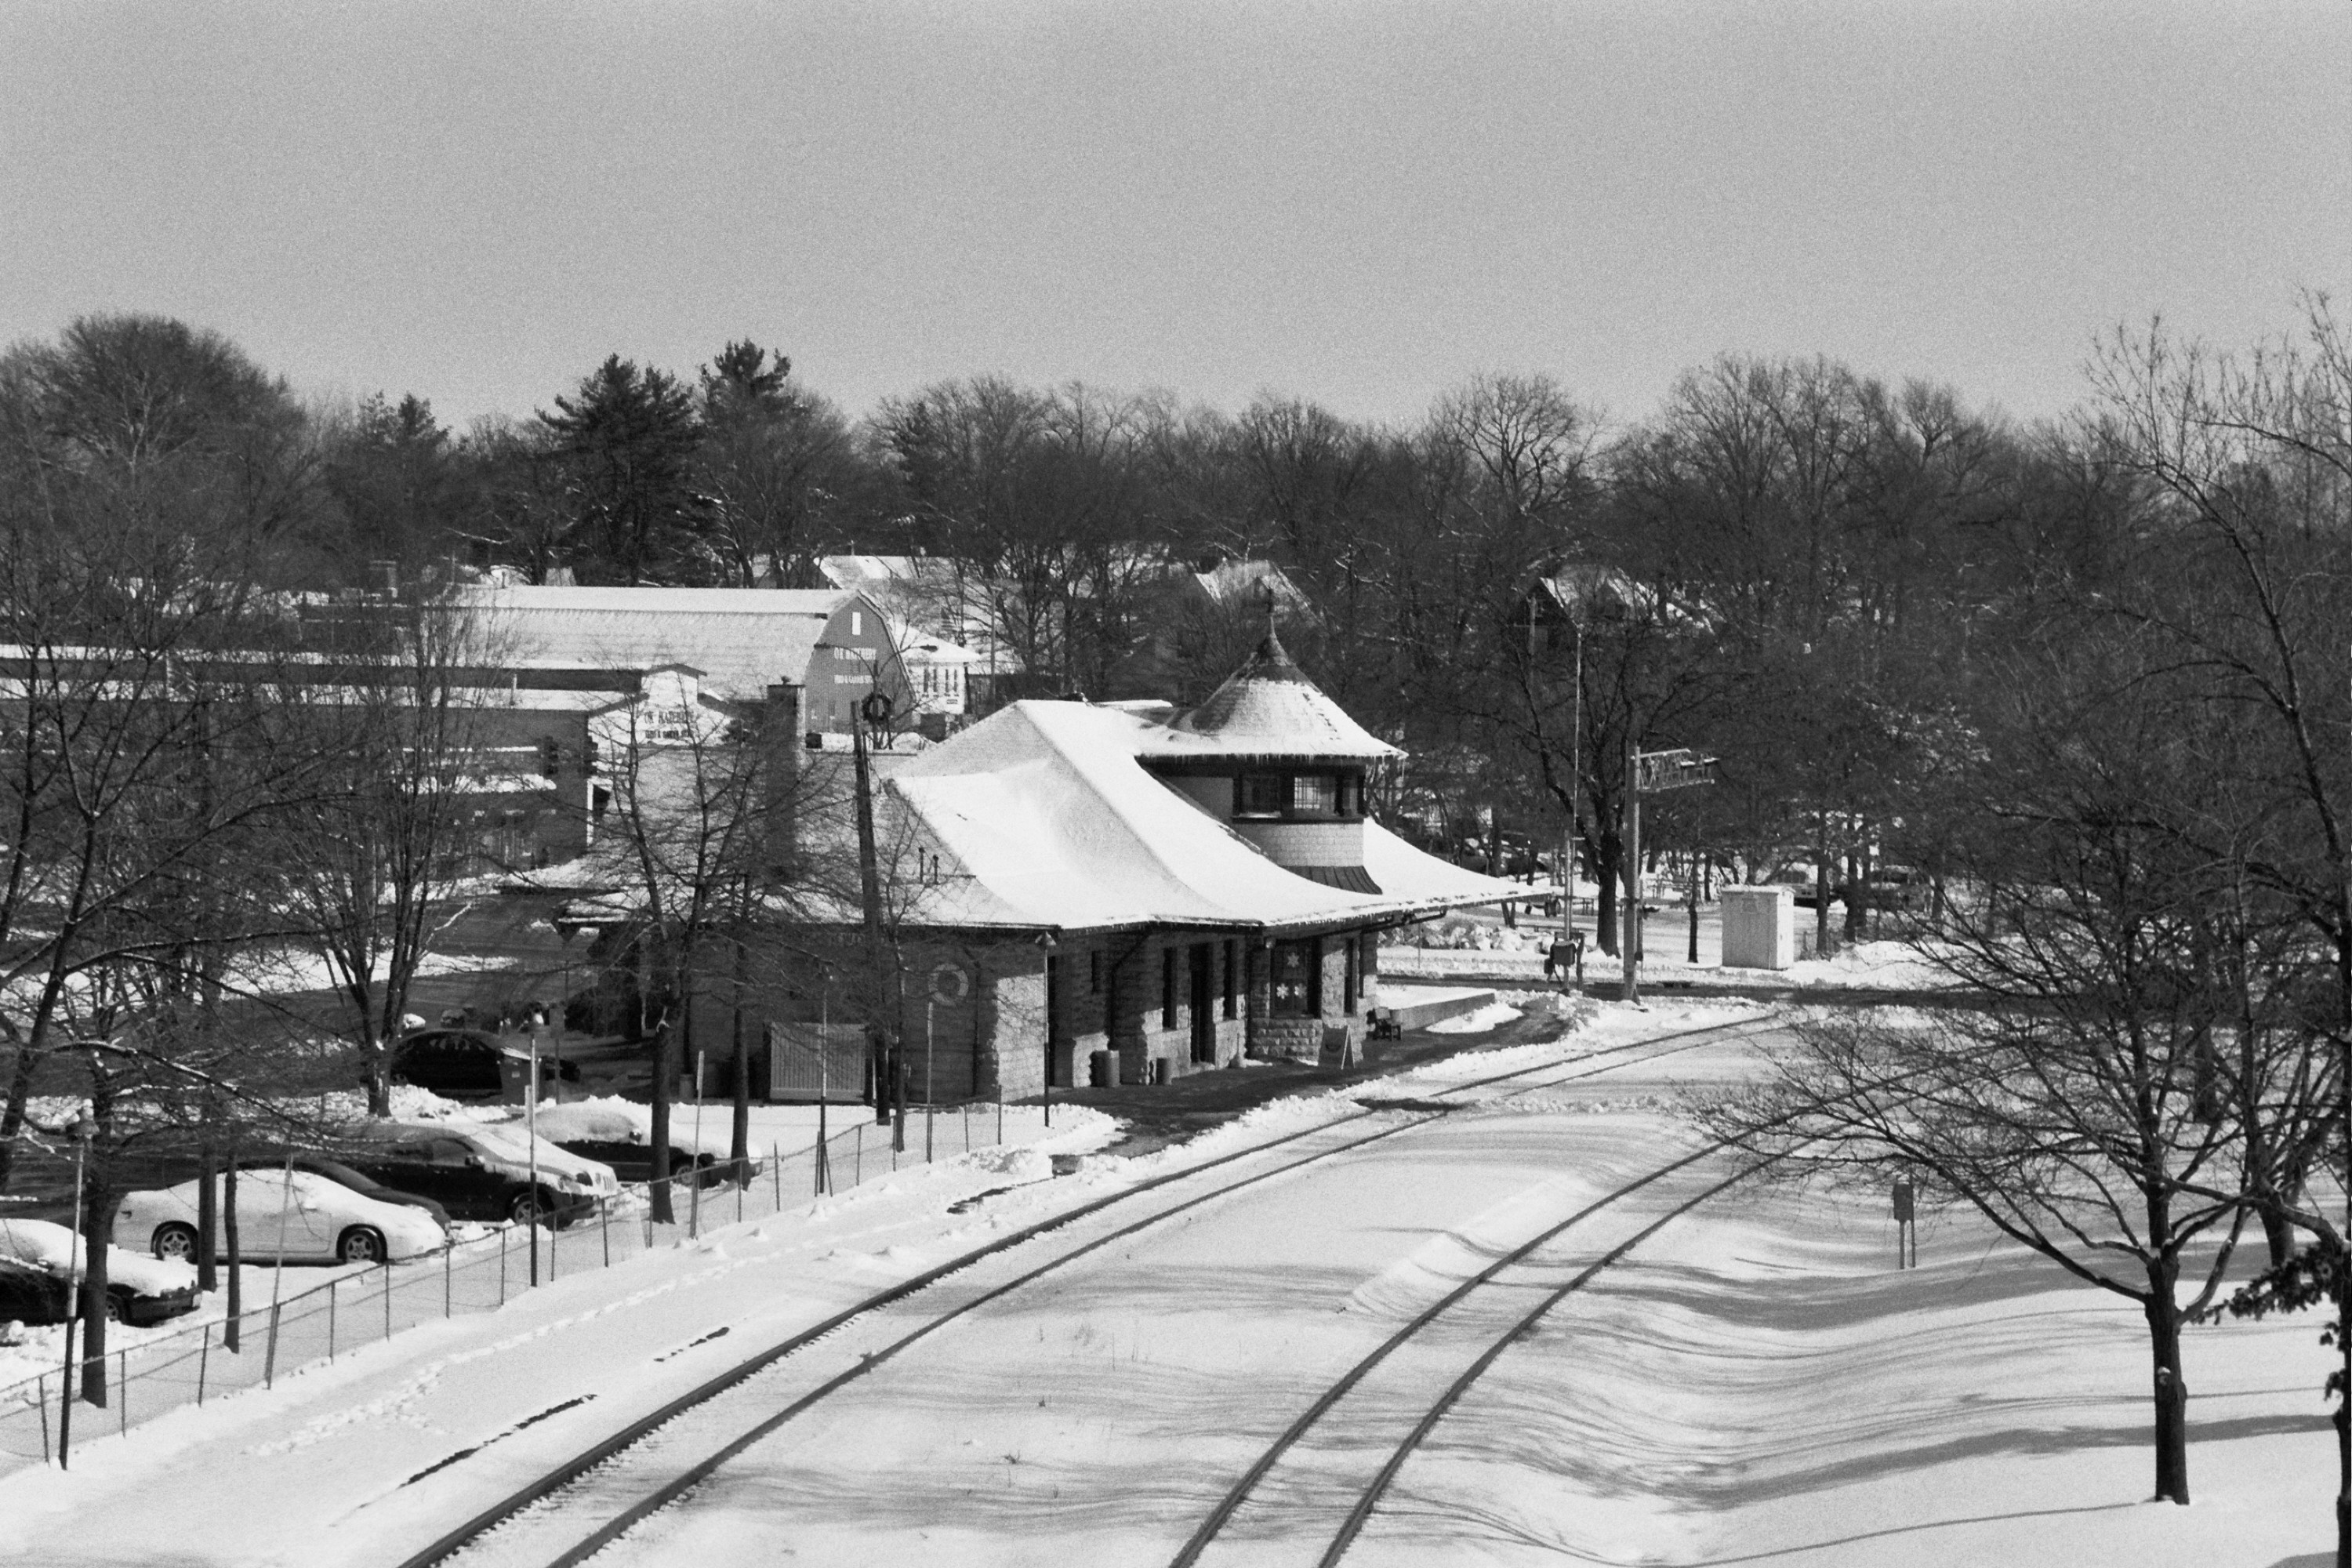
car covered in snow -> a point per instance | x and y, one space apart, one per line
298 1216
619 1135
365 1185
36 1288
480 1170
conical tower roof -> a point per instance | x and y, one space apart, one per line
1269 708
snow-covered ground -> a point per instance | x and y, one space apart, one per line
790 1130
1757 1383
1493 1015
1866 967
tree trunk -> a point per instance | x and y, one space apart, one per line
233 1326
2170 1389
97 1224
12 1116
207 1216
2278 1231
377 1051
1692 956
739 1129
664 1083
2342 1421
1821 894
1604 899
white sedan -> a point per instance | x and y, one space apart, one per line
322 1221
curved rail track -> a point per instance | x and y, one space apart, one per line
651 1494
1370 1494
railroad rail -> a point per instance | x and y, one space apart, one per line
547 1486
1314 1416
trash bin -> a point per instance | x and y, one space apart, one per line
514 1077
1160 1070
1103 1069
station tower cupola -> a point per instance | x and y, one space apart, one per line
1270 754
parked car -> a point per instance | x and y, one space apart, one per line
1888 888
470 1064
478 1172
367 1187
616 1135
34 1287
634 1161
297 1216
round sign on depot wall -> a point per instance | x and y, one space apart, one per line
950 984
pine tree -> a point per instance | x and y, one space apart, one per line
628 438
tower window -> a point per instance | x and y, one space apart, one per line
1262 795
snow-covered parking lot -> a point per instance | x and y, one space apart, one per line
1754 1383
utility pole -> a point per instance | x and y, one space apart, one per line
1631 944
881 1047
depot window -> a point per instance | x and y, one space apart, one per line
1312 796
1297 979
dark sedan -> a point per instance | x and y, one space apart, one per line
470 1064
634 1161
475 1174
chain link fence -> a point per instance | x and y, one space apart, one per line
312 1327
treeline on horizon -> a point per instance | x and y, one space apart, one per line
1826 579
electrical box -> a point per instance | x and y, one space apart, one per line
1760 928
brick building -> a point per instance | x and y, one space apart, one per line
1176 890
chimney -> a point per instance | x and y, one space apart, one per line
780 768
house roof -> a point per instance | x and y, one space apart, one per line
933 591
1269 708
917 645
1046 818
1249 583
742 639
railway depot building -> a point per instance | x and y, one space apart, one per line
1176 890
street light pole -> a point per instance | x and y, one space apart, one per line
1575 781
1677 769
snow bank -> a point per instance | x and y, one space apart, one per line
1493 1015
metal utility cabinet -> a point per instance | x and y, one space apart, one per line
1760 928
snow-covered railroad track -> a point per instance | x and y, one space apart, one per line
574 1510
1295 1484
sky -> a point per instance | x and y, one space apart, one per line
1360 204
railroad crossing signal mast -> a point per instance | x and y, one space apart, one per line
1649 772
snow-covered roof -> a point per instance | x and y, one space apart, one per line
852 571
742 639
1046 817
919 647
1247 582
1269 708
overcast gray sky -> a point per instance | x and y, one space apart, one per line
1361 204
